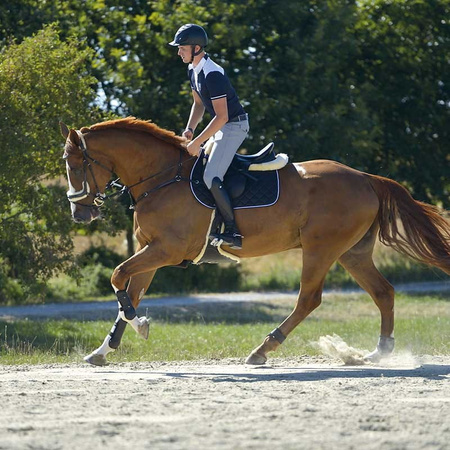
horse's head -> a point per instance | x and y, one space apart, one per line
84 176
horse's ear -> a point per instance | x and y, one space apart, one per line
73 137
64 129
71 134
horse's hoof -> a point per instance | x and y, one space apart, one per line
144 327
373 357
376 356
96 359
255 359
384 349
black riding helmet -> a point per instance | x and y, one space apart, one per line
190 34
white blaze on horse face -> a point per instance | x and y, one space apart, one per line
72 194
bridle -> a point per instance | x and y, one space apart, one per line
100 197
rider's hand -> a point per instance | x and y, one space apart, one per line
193 148
188 134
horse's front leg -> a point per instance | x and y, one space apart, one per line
136 289
151 257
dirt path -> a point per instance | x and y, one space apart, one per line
308 403
108 309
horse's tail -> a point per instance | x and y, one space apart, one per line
425 236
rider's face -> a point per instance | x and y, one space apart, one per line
185 53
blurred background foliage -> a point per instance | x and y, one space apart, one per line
365 83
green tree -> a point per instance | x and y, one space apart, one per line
404 78
41 80
365 83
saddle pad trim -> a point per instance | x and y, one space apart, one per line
228 255
202 252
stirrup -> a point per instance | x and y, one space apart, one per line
233 240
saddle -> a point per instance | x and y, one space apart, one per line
252 181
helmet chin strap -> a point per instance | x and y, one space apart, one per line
194 53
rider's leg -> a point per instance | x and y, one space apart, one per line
226 143
230 235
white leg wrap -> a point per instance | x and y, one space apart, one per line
104 349
384 348
138 323
135 323
98 357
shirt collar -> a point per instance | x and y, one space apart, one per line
197 69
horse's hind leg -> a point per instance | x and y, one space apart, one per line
136 289
316 264
358 262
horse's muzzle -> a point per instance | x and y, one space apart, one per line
84 214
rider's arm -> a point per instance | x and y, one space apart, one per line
197 111
219 120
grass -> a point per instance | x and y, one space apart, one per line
232 330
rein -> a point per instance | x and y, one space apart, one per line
99 197
177 178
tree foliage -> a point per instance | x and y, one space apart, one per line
41 80
405 81
365 83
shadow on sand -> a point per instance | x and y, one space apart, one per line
269 373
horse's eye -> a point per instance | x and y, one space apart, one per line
76 171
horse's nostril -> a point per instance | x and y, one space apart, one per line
81 216
77 219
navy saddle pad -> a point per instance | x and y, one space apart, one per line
247 189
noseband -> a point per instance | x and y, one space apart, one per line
99 197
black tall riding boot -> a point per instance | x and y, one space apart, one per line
231 235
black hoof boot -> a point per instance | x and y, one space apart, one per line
125 305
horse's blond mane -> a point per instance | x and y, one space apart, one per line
131 123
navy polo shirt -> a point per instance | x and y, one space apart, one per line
210 82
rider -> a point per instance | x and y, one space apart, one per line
212 90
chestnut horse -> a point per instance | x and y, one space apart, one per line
330 211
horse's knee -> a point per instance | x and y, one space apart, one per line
119 276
